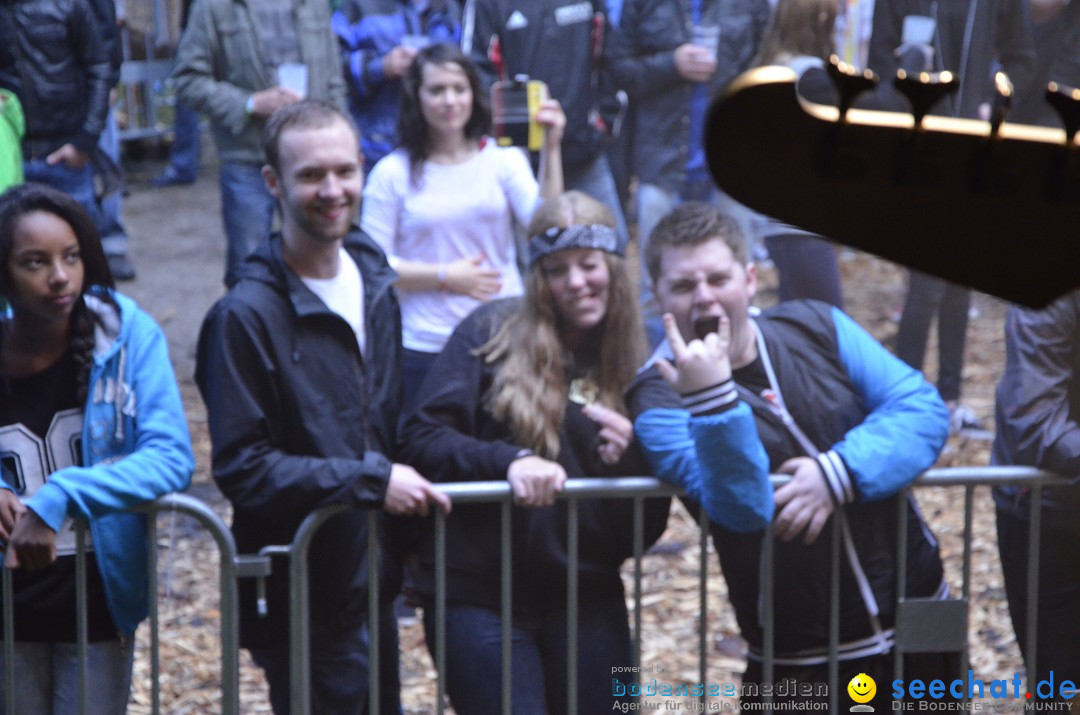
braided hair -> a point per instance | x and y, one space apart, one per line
19 201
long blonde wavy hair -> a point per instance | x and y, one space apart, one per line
531 385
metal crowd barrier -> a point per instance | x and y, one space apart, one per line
909 612
230 638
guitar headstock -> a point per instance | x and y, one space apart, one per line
988 204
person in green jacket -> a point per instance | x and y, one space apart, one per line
12 128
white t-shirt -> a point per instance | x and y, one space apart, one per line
458 210
343 294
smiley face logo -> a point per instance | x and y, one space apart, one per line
862 688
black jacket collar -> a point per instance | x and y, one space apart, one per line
267 265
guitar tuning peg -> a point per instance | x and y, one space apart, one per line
850 82
1001 103
1066 100
924 89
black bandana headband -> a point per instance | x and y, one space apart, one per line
596 236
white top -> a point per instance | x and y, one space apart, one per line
343 294
458 210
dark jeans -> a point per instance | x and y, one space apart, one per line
807 268
928 297
339 671
76 183
539 683
789 680
114 238
247 209
184 156
1058 629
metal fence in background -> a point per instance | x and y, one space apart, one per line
911 614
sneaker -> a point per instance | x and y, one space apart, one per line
169 177
121 268
964 423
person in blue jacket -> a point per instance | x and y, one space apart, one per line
800 390
379 40
91 425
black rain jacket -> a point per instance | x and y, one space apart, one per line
299 419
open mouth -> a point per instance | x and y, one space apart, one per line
705 325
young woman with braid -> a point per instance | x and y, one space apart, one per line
533 390
91 425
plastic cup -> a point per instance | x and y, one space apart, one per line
293 76
417 42
918 30
707 36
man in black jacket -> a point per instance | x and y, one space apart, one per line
62 76
799 389
562 43
299 366
670 75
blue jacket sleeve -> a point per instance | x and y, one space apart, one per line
363 62
717 459
161 461
906 425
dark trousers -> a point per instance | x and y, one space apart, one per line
807 268
339 671
1058 629
928 297
538 658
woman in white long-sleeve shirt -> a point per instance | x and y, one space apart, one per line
443 204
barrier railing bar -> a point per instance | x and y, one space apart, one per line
901 578
1032 612
9 642
374 628
230 626
997 476
969 526
81 636
767 586
622 487
703 597
155 621
507 601
440 610
834 606
299 627
639 548
571 605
